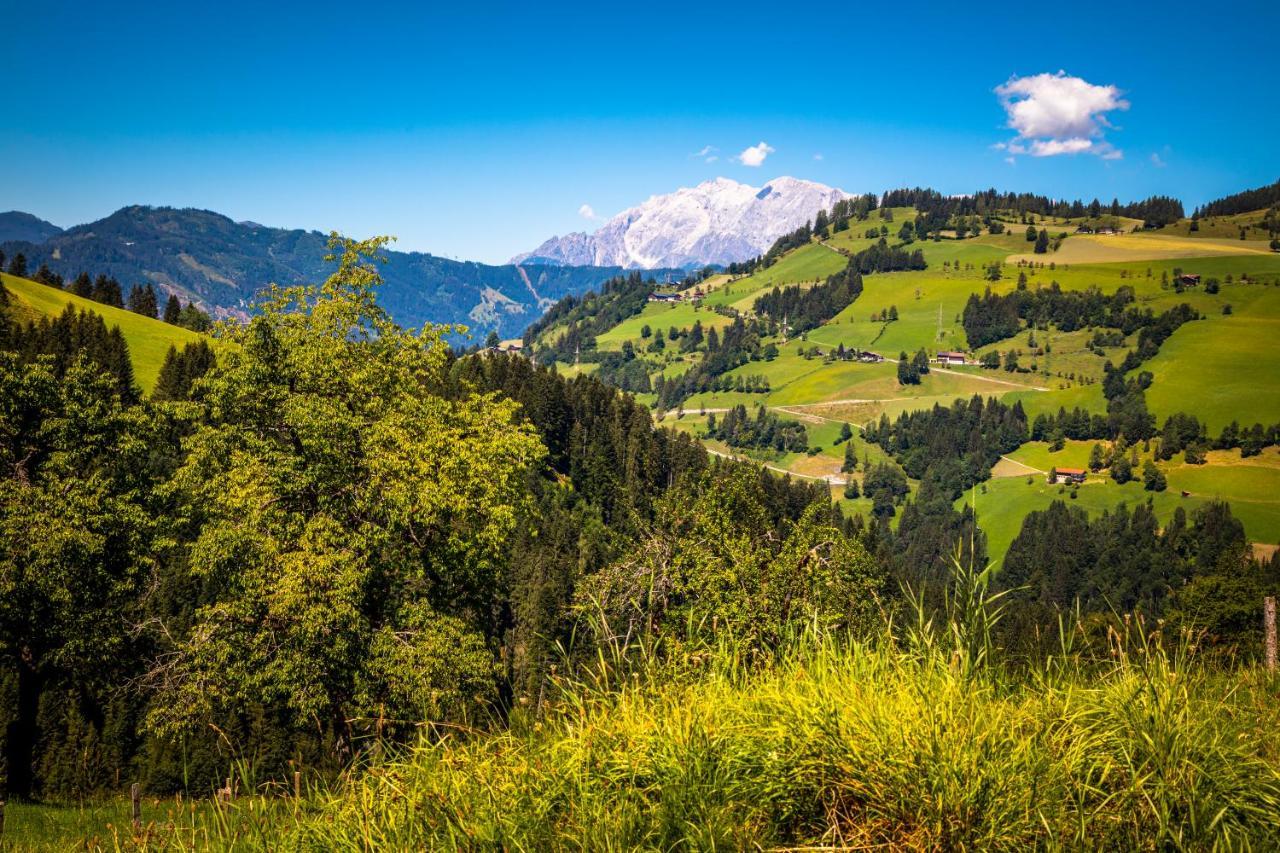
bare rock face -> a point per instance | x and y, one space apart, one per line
717 222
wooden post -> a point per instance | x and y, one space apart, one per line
136 803
1269 630
297 784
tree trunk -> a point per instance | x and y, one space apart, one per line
22 732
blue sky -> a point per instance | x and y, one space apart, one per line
478 130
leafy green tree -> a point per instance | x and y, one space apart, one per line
851 489
1121 469
353 512
492 340
1031 234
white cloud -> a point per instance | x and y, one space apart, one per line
1157 161
586 212
1056 114
707 154
755 155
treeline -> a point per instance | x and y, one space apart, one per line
142 299
1155 211
1242 202
803 308
969 435
766 431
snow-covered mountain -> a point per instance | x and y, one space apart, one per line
716 222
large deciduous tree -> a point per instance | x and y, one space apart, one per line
353 513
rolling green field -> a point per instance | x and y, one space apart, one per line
149 340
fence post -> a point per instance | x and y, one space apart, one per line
297 785
136 804
1269 629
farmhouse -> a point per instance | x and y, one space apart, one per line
1084 229
1190 279
947 358
666 297
1071 475
870 357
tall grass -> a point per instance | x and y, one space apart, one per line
921 743
837 743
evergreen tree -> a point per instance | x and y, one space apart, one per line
172 310
18 266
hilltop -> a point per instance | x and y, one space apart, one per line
221 264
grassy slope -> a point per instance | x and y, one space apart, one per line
148 339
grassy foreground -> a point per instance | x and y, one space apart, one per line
837 744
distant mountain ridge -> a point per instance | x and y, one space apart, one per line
221 264
16 225
720 221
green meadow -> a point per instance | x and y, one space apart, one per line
149 340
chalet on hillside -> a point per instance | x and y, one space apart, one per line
1071 475
1106 229
870 357
666 297
1190 279
950 358
1084 229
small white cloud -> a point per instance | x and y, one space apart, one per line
586 212
817 156
1055 114
707 154
1158 161
755 155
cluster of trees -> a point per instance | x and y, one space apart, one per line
181 368
1125 560
803 309
765 431
972 433
911 368
994 317
62 341
882 257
